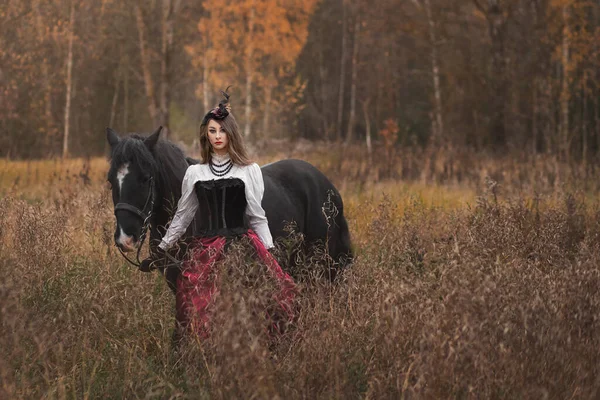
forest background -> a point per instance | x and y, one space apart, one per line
463 136
493 75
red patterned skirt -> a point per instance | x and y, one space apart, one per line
197 284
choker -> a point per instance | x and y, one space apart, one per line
220 169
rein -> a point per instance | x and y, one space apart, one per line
145 216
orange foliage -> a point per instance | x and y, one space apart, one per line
262 38
389 133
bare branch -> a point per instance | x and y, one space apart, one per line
417 4
480 7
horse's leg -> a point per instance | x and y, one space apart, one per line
177 336
341 247
171 275
332 226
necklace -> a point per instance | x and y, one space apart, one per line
220 169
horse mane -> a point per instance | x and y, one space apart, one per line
166 162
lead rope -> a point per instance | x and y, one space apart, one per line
145 225
175 261
142 239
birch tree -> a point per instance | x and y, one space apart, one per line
258 42
438 121
69 81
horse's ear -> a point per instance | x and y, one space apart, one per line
151 140
112 137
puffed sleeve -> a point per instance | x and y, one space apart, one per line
186 209
255 188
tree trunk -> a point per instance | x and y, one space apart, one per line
497 25
249 74
365 107
497 21
553 125
46 80
248 104
534 96
165 67
267 110
534 117
596 132
439 123
145 60
205 90
69 82
564 93
113 106
595 94
126 94
350 132
323 79
584 122
342 73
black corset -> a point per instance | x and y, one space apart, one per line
224 202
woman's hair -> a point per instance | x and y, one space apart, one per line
222 114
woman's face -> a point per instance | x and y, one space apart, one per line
217 137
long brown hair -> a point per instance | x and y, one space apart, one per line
237 150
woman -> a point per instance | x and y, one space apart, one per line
229 186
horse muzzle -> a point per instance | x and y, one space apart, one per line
126 243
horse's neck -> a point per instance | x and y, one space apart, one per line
164 211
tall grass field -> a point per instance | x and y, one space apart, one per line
474 277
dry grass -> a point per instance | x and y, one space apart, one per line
452 295
35 179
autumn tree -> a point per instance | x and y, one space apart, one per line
254 42
158 86
497 75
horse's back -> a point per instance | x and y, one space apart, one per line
300 190
299 177
295 189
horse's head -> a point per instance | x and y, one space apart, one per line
132 175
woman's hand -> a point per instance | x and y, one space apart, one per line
147 265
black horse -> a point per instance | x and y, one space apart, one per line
146 175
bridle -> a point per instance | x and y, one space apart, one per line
144 215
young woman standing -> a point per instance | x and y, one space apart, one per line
230 187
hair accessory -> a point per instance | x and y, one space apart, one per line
220 112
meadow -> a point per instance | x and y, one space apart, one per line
475 277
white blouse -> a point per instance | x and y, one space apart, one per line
188 203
